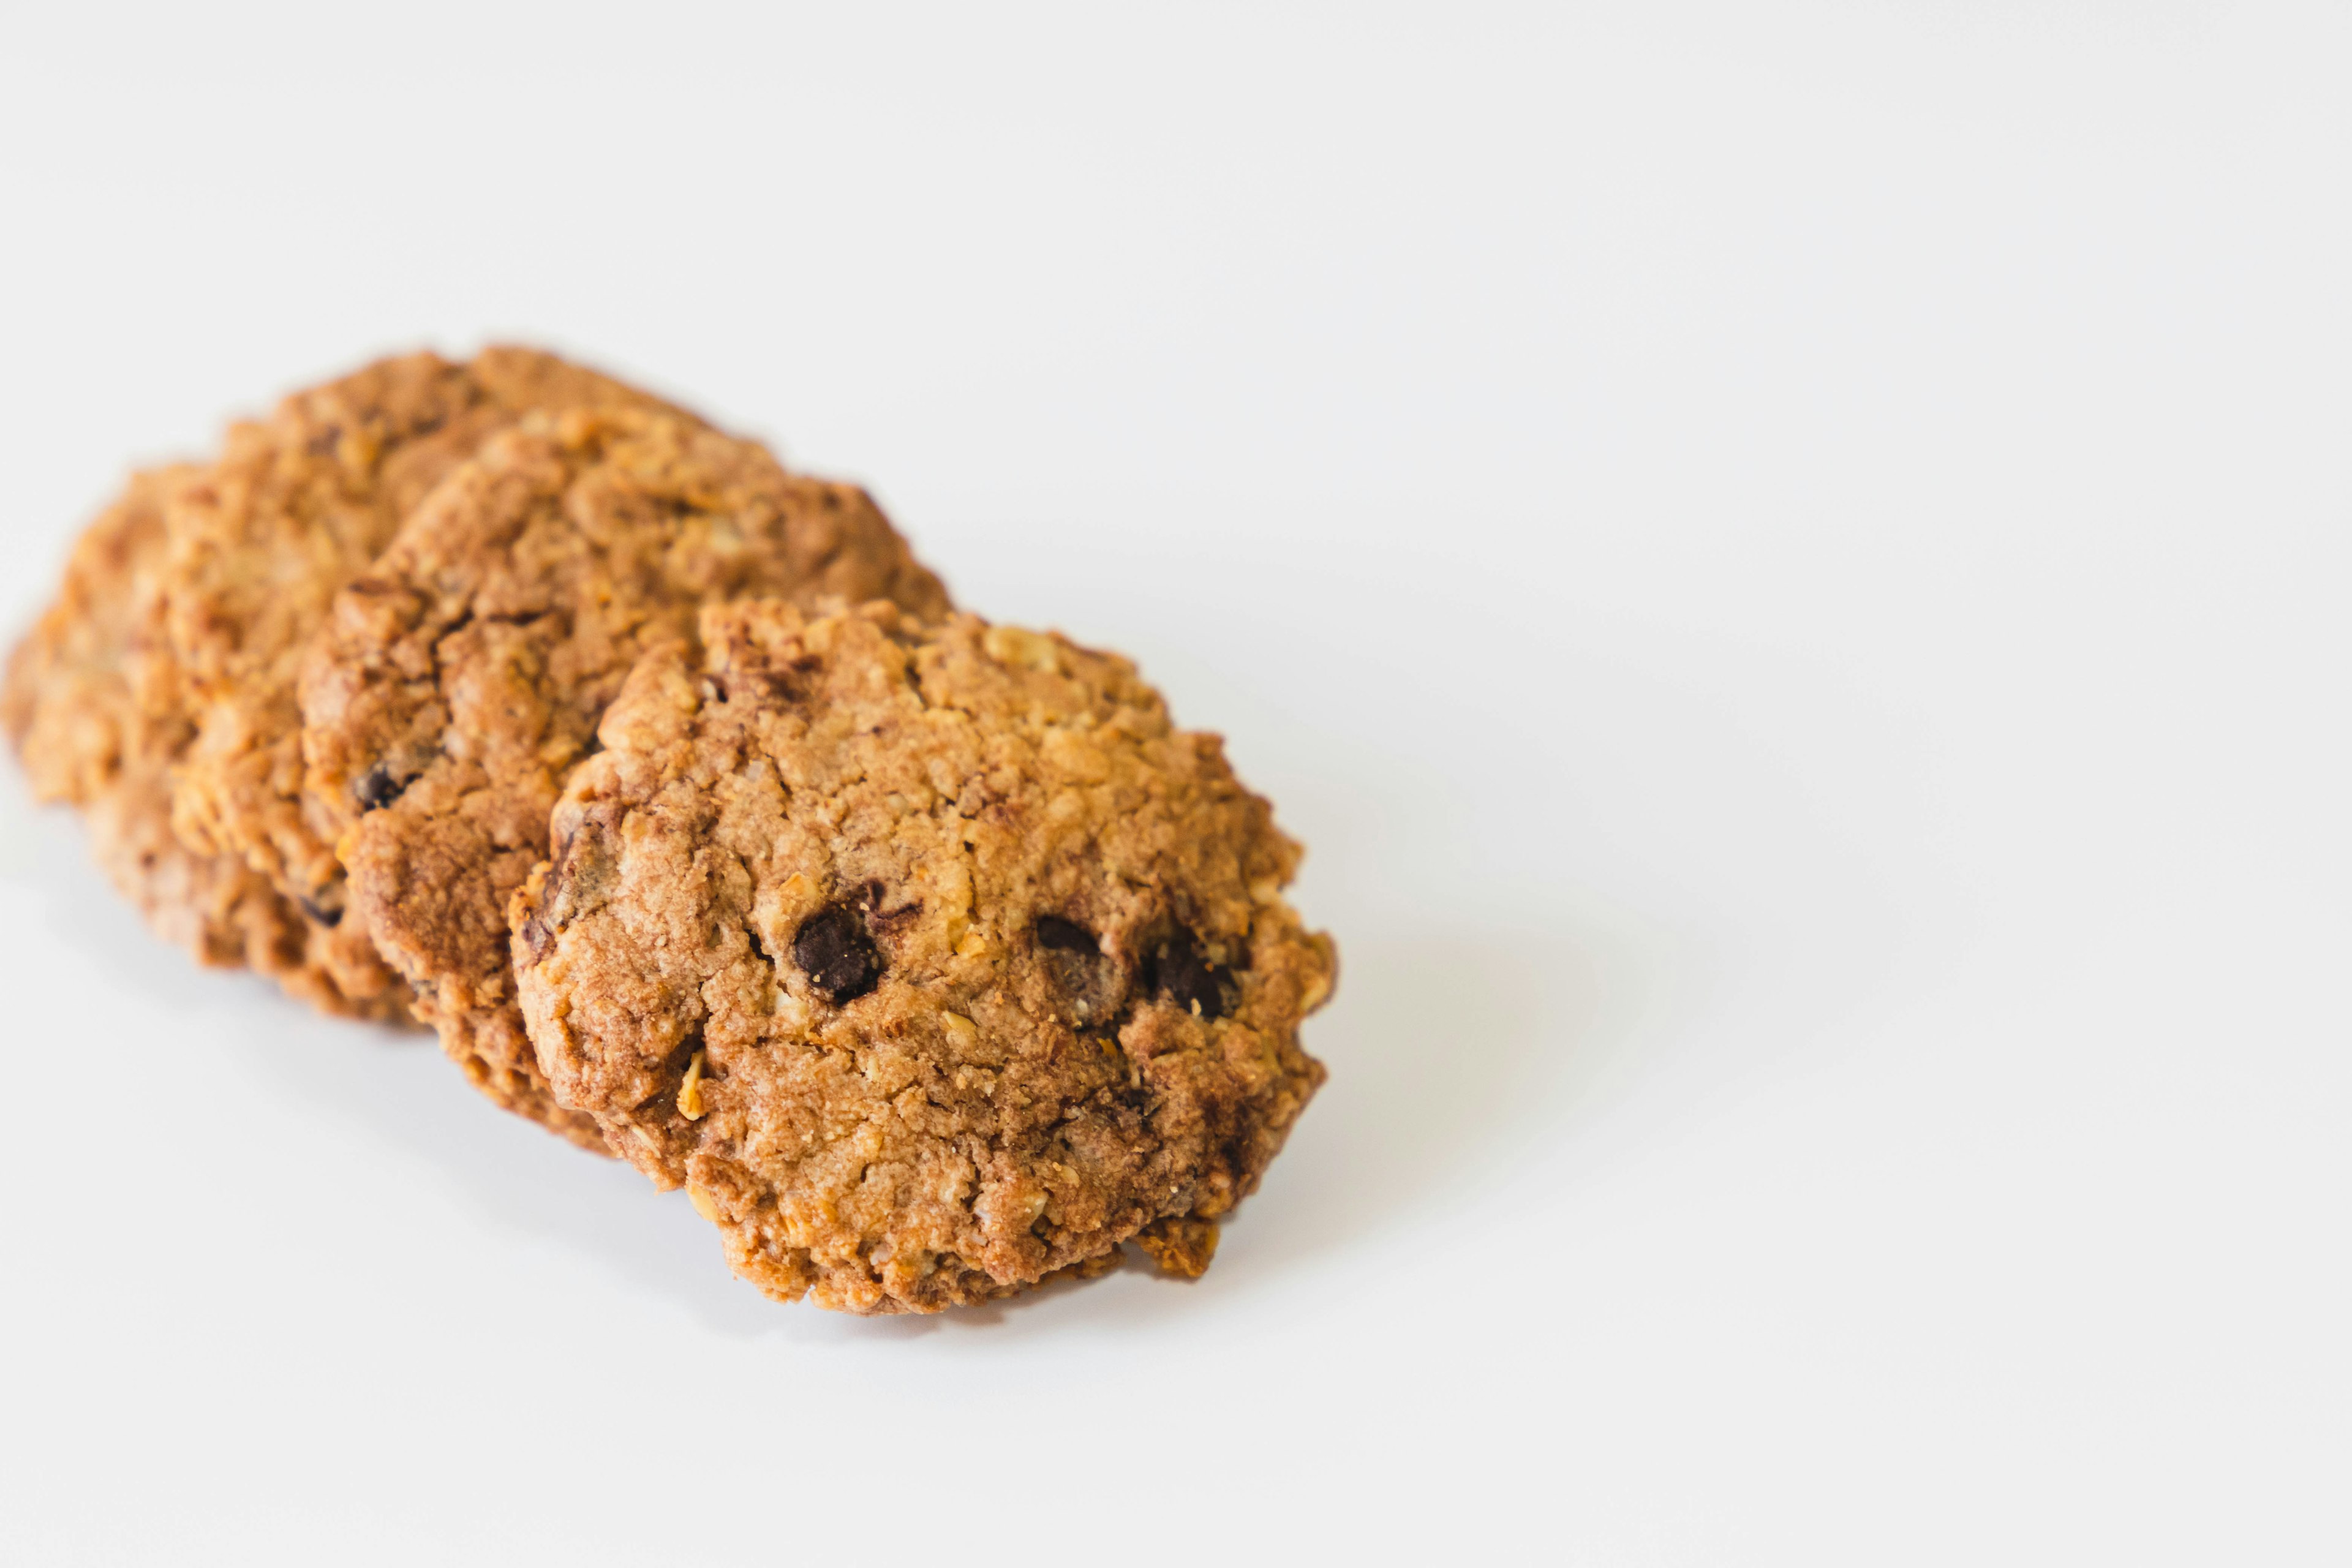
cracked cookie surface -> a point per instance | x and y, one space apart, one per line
454 684
929 956
93 703
296 506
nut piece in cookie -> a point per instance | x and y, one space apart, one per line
928 956
455 682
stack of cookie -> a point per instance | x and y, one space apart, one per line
671 792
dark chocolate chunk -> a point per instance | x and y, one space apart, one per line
831 946
1080 970
1185 974
377 788
1065 936
330 919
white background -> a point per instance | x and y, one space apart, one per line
1788 562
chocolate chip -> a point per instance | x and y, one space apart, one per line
1091 984
1185 974
377 788
840 958
1065 936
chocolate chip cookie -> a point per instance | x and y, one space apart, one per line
928 955
93 703
298 505
455 682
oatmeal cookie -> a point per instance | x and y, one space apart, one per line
298 505
92 705
930 957
456 683
75 681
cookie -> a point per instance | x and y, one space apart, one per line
930 958
456 683
71 697
91 702
298 505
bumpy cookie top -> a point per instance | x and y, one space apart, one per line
298 505
930 957
93 703
456 683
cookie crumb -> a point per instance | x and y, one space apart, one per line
706 1205
689 1093
1180 1245
1021 649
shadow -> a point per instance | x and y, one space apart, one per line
391 1085
46 849
1456 1058
519 1178
540 1189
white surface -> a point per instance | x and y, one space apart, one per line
1790 572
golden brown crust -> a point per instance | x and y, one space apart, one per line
456 683
92 704
928 955
298 505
